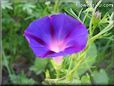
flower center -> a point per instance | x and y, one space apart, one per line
57 46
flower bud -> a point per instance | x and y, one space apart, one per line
96 18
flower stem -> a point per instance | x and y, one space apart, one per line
71 73
69 67
91 21
85 17
57 64
109 27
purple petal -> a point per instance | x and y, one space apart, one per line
40 30
57 35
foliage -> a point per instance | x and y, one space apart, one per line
94 65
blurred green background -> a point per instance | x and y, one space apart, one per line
18 57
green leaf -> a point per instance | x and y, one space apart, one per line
6 4
104 19
72 13
39 65
92 51
90 59
21 79
88 10
100 77
85 79
28 7
76 81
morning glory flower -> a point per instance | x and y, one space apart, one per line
56 35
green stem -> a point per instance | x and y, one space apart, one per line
57 68
69 67
6 63
80 13
109 27
85 17
91 21
56 6
58 73
52 81
71 73
71 12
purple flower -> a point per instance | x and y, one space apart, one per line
56 35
